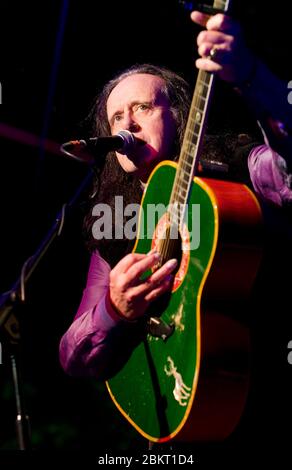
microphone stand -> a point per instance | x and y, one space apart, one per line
9 325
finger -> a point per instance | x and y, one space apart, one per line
213 53
214 37
199 18
161 289
208 65
205 48
136 270
126 262
156 279
166 269
222 23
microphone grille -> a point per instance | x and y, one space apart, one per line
129 141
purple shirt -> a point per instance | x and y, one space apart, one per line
83 348
269 177
97 336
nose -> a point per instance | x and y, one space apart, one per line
129 123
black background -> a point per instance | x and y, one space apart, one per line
100 38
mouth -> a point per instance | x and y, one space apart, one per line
138 150
140 142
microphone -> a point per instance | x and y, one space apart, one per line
122 142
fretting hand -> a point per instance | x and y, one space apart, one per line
222 48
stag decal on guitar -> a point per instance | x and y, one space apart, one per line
180 392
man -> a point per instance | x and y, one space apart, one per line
152 103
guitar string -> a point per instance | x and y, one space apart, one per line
167 244
199 105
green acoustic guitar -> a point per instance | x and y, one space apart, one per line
188 377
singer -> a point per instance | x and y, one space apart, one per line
152 103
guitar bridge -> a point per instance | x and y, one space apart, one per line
158 328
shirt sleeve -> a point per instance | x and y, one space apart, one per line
96 336
267 97
269 176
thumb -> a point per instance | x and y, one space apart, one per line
199 18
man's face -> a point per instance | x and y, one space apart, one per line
138 105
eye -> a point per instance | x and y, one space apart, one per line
143 106
117 117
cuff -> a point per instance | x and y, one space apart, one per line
113 312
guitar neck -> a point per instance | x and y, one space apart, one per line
193 138
192 143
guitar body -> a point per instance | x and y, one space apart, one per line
193 385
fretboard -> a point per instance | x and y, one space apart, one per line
193 138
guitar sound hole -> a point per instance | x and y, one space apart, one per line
170 246
168 249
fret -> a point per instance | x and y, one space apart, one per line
189 153
190 146
198 106
204 77
201 90
176 210
174 214
190 141
185 181
183 175
182 192
178 219
189 150
179 205
181 195
197 126
184 184
187 166
191 136
199 100
188 160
